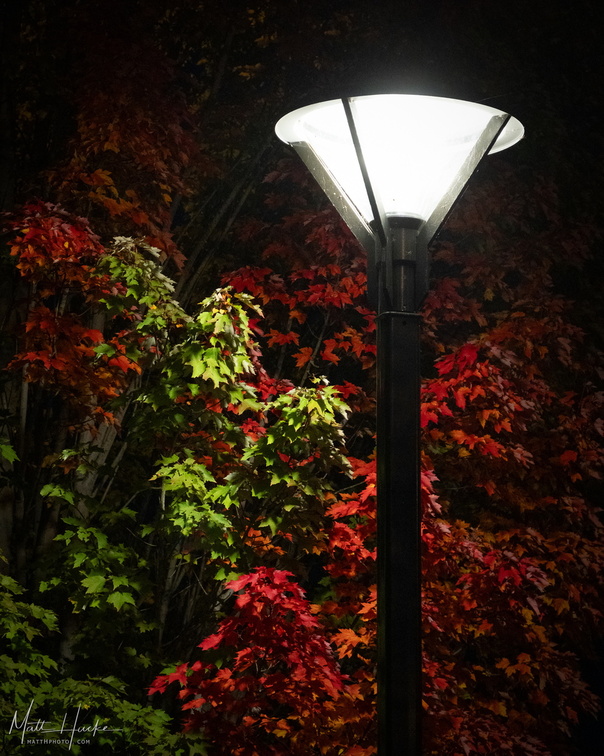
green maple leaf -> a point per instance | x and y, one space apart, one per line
94 583
120 598
8 453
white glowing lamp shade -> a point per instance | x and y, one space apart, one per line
413 145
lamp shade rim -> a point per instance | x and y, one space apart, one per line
289 131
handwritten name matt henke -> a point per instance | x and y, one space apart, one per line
28 726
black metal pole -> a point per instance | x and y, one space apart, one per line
398 524
397 281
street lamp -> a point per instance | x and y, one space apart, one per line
393 166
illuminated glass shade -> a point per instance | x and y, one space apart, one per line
413 146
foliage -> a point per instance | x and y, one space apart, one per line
237 467
275 693
24 666
32 676
512 548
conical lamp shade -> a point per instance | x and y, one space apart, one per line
413 146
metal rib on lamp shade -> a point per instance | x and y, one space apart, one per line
414 146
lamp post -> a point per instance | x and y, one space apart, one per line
393 166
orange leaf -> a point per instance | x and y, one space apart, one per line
303 356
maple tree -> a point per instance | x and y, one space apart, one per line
507 446
188 468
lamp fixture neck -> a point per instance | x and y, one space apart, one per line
411 222
401 264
